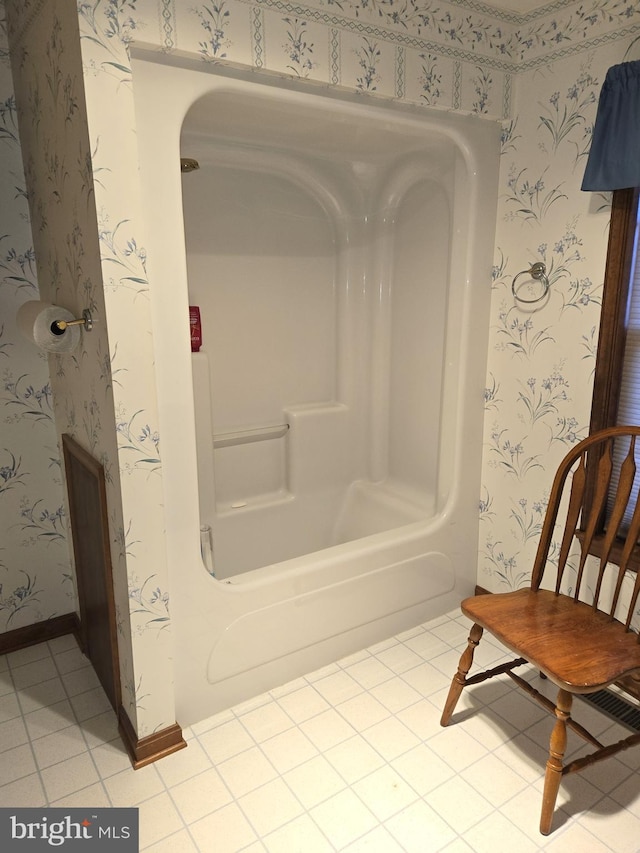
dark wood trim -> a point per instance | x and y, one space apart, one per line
40 632
612 336
143 751
480 590
615 298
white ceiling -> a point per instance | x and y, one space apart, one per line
521 6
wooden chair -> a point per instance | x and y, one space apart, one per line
580 647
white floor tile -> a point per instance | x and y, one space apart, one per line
517 706
369 672
6 683
62 644
494 780
42 695
426 679
426 645
576 794
212 722
71 659
184 764
27 792
390 738
265 722
13 732
131 787
111 758
179 842
158 818
457 846
459 804
327 729
496 834
454 633
385 792
246 771
90 703
574 837
399 658
422 718
298 836
69 776
524 756
80 680
447 663
337 687
200 795
226 740
418 822
422 769
379 840
321 673
351 757
354 758
56 747
15 763
355 657
30 654
456 747
46 721
395 694
224 831
314 781
344 818
491 730
612 825
289 749
523 811
270 807
363 711
100 729
36 672
94 796
303 704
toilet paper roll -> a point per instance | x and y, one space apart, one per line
37 322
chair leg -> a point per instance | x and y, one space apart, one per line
459 678
557 747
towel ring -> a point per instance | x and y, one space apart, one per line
537 271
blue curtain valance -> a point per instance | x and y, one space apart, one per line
614 158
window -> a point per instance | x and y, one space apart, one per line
616 392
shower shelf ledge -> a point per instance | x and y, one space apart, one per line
248 436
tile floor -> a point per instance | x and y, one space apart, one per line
349 758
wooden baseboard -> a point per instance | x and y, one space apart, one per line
143 751
40 632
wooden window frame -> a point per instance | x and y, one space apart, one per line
613 331
615 298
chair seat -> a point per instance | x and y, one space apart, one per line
579 649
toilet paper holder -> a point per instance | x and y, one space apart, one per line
52 328
86 321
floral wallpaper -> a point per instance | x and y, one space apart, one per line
539 74
36 581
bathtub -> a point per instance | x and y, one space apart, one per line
329 431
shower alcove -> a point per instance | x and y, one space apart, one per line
329 430
318 253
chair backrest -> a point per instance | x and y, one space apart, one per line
603 513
